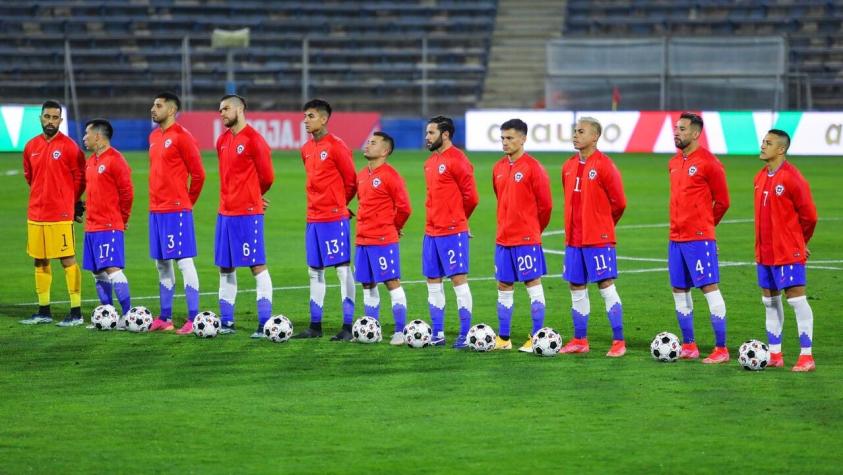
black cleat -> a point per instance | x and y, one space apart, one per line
309 333
343 335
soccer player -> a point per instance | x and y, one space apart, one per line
173 158
109 193
54 168
246 174
331 184
451 198
384 208
699 198
522 188
785 217
594 203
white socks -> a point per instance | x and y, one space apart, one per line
774 313
464 299
804 322
317 286
683 302
166 273
346 278
228 287
580 302
716 304
436 295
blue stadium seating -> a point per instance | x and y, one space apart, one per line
365 55
813 29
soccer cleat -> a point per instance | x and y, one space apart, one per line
576 345
397 339
804 364
460 343
689 351
309 333
258 334
719 355
185 329
161 325
37 319
438 340
776 360
501 344
618 349
343 335
227 328
70 321
121 324
527 347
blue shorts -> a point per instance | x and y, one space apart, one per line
327 244
171 235
377 263
519 263
103 249
239 241
781 277
590 264
693 263
445 256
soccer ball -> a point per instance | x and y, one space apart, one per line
481 338
138 320
754 355
278 329
665 347
546 342
104 317
206 325
367 330
417 334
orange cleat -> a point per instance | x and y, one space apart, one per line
804 364
618 349
719 355
576 345
776 360
689 351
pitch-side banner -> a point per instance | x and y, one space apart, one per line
725 132
282 130
19 123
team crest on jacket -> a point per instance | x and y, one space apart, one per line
56 154
592 174
240 149
441 168
323 155
779 190
167 143
692 171
518 177
376 182
101 169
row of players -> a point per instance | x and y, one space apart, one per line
58 175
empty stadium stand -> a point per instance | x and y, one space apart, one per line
365 55
813 30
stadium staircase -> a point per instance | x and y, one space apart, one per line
517 59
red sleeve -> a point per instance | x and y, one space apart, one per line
193 161
27 167
541 190
613 184
125 190
80 170
719 190
804 205
464 177
494 187
344 161
263 163
401 200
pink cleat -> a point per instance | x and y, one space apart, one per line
689 351
719 355
575 345
618 349
804 364
776 360
186 329
161 325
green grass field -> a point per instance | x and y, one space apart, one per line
73 400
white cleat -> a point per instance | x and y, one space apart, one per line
397 339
